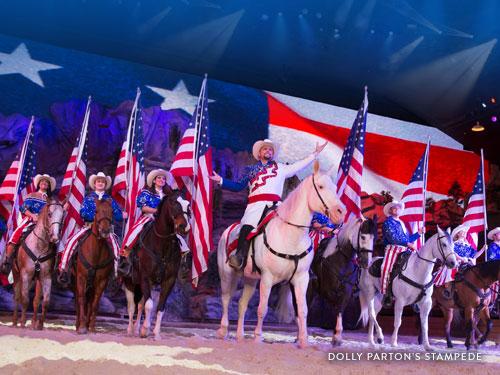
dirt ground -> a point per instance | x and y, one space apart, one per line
185 349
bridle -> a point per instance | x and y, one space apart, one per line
327 210
172 218
441 252
46 228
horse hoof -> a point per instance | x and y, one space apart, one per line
39 326
158 337
380 340
303 344
240 338
394 344
221 333
258 338
449 345
144 333
81 331
336 342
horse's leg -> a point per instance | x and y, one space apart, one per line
160 309
425 306
485 317
137 324
17 300
248 291
130 309
448 318
300 286
398 312
337 332
81 326
36 302
46 283
265 289
469 315
25 297
148 308
377 306
99 286
228 282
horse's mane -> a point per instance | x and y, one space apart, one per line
344 234
291 200
489 269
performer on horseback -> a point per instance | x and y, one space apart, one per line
265 181
494 247
99 183
396 240
30 209
466 254
148 200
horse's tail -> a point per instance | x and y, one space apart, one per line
284 308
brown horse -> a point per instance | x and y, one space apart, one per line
471 293
93 266
156 259
35 262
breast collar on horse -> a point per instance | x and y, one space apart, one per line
423 287
478 291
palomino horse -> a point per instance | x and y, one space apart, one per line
471 293
156 260
35 260
93 266
413 285
282 252
337 270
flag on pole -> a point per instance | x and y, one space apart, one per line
350 171
18 183
413 197
475 214
130 171
191 169
73 186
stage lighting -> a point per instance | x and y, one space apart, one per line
494 118
483 104
493 100
477 127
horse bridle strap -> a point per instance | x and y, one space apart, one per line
327 210
294 257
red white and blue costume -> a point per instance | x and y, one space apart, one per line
33 203
465 254
87 212
396 239
319 234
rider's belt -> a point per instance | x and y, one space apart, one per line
264 197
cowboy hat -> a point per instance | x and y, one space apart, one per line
259 144
492 232
46 177
388 206
457 230
94 177
155 173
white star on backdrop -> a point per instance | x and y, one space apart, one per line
178 98
19 61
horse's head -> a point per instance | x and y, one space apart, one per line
171 209
103 218
365 241
323 196
186 211
53 219
444 248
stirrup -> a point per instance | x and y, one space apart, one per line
6 267
235 262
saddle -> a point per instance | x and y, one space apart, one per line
376 268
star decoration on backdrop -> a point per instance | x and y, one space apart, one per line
19 61
178 98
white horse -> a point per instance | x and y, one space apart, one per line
282 252
413 285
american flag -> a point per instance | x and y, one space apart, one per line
350 171
191 168
73 186
130 171
414 197
18 183
475 215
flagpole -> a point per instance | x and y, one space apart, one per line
197 138
130 140
484 207
426 171
81 142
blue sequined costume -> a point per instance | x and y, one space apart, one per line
248 174
3 227
464 250
87 212
323 220
33 205
148 199
393 233
493 251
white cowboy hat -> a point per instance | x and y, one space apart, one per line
155 173
388 206
460 228
265 142
46 177
492 232
94 177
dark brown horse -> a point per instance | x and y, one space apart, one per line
337 267
471 293
35 262
93 266
156 259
